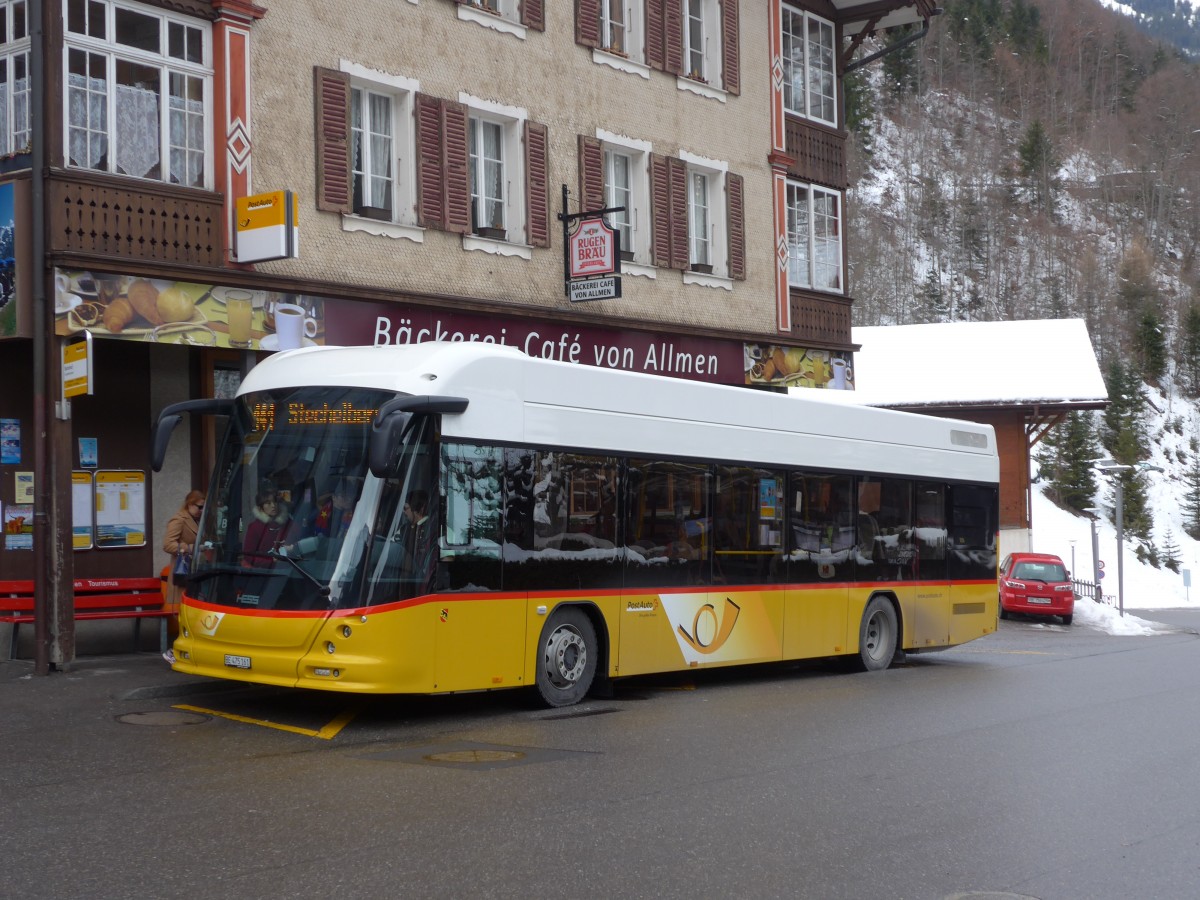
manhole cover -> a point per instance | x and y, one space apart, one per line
166 717
475 756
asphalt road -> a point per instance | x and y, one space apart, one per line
1042 761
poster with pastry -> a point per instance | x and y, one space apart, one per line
784 366
130 307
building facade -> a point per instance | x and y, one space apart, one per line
417 174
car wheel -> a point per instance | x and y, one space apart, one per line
1068 619
567 656
877 635
1003 611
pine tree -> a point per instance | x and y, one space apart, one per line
1190 505
1170 553
1150 345
1037 163
1124 433
1069 461
1189 350
932 305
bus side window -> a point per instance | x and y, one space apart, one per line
472 503
822 527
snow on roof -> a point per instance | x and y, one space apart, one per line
1042 361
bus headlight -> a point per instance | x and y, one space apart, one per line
329 648
346 631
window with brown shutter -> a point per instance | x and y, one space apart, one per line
656 11
431 212
587 22
673 37
331 90
731 76
668 211
591 173
533 15
660 211
737 226
677 173
537 196
457 162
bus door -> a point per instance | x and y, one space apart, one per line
478 621
971 561
820 566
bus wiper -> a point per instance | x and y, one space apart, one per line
322 589
213 572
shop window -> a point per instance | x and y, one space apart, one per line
138 91
809 77
14 78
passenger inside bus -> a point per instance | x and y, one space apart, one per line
269 530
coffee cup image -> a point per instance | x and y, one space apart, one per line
293 325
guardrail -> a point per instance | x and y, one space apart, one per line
1090 590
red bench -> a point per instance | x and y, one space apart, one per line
95 598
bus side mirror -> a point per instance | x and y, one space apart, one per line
387 440
172 415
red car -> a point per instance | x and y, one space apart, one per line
1037 584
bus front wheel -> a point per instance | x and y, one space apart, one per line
566 658
877 635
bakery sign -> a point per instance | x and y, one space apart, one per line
593 254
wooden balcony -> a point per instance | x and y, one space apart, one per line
821 320
117 219
819 153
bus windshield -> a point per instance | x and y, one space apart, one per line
295 520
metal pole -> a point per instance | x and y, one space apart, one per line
1120 543
1095 557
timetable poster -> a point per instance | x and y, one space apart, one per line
120 508
82 530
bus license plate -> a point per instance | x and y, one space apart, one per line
1031 600
237 662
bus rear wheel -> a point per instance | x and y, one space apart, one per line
877 635
567 658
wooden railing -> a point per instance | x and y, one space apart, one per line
129 219
819 153
821 321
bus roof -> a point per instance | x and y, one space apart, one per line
519 399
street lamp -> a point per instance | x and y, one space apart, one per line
1095 512
1108 467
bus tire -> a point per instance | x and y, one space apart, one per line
567 653
877 635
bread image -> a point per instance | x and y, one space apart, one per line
144 297
118 314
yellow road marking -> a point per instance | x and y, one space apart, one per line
326 733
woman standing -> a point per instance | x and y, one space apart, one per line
179 541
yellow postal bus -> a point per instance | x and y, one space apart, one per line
462 517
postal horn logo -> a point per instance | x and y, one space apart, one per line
710 631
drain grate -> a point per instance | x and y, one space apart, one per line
473 755
578 714
166 717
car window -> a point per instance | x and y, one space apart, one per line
1040 570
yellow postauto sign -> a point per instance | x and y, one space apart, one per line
267 226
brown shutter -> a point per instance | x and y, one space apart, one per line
457 162
537 196
331 91
673 37
533 14
431 179
731 77
591 173
737 227
660 211
677 173
655 31
587 22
